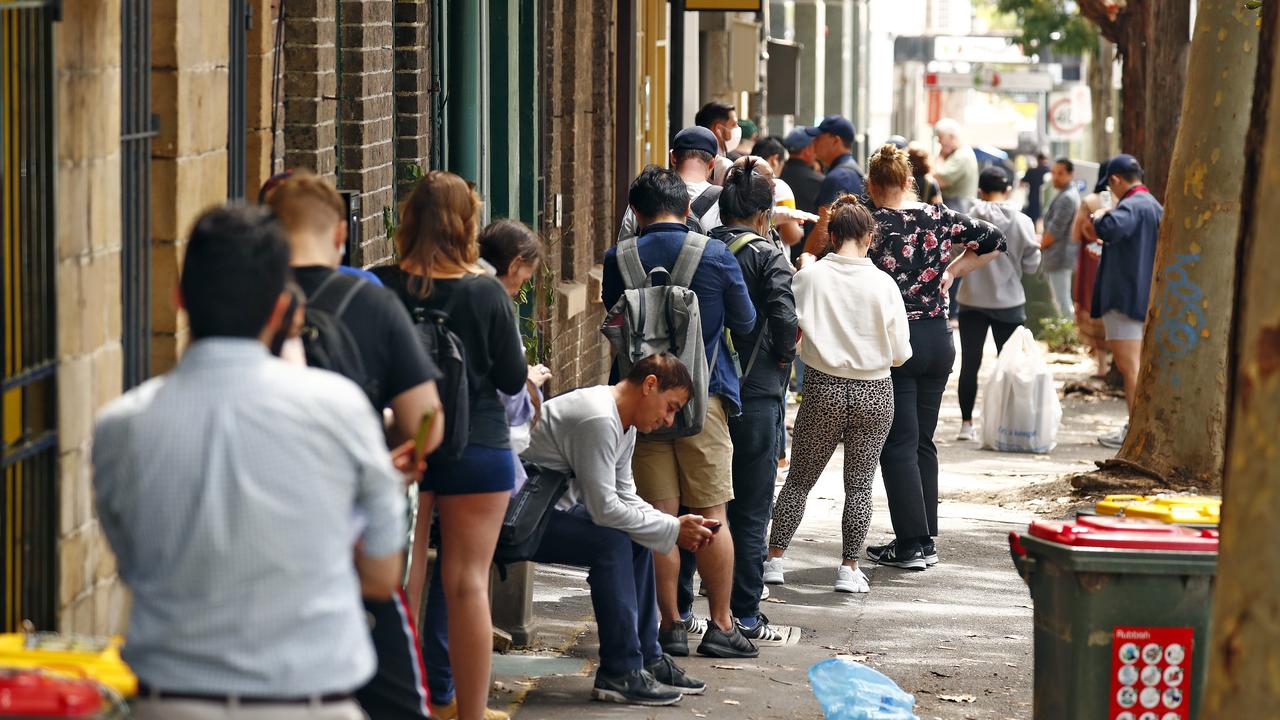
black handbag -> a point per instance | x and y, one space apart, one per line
528 514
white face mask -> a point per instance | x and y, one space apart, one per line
735 137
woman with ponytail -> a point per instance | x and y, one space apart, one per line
923 248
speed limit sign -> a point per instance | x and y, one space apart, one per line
1070 112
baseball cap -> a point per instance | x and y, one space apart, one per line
800 138
1123 164
839 126
696 138
1101 185
897 141
993 179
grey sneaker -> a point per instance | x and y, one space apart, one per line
1114 440
667 672
730 643
674 640
637 687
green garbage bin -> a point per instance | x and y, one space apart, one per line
1121 616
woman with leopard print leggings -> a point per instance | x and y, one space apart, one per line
855 329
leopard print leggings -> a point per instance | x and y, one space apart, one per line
833 410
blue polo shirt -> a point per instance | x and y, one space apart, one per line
1128 234
844 176
722 296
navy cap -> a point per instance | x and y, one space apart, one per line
993 179
1101 185
696 138
1123 164
839 126
897 141
800 138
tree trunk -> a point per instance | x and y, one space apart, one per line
1169 33
1245 648
1177 431
1135 32
1102 97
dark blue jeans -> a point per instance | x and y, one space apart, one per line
435 641
755 468
623 591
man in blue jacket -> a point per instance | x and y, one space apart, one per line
693 472
1128 233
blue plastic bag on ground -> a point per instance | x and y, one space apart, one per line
848 690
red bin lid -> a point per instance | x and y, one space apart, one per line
1120 534
31 693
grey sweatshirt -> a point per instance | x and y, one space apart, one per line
998 284
580 433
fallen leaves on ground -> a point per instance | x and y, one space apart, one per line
958 698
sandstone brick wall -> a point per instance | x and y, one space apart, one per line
263 67
190 50
90 372
578 141
366 122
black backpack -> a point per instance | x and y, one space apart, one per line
700 206
328 341
445 348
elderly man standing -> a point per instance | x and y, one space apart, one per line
957 168
249 503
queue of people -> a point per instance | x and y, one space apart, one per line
256 504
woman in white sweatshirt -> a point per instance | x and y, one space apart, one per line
854 326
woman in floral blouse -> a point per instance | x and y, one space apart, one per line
924 248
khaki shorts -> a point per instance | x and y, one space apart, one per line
698 470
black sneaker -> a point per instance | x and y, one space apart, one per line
637 687
730 643
893 556
674 640
666 672
762 633
930 551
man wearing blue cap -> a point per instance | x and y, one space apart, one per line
1128 233
693 156
800 174
834 148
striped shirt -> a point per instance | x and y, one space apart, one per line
229 490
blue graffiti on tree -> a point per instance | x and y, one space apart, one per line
1181 317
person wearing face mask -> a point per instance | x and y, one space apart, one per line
834 149
722 120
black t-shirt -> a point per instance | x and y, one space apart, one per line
1034 178
484 318
389 346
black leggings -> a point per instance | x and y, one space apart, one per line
973 338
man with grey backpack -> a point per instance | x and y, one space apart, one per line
666 288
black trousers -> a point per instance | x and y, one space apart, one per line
909 460
973 338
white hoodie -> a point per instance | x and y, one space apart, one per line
998 284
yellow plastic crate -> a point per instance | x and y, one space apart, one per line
76 656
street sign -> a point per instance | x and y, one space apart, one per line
1070 112
978 49
991 81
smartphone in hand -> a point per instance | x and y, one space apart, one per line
712 525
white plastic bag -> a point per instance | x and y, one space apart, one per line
1020 407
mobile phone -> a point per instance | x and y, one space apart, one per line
424 432
714 528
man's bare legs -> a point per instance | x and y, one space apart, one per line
715 565
1128 360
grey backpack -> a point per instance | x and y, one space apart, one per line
659 313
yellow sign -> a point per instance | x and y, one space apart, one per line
745 5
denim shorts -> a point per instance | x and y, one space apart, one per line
479 470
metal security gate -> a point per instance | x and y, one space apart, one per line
237 112
137 127
29 494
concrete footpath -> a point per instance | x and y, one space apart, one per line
957 636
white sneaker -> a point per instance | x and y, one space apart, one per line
1114 439
773 572
966 432
764 593
851 580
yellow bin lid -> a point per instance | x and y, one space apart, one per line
1115 504
74 656
1196 511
